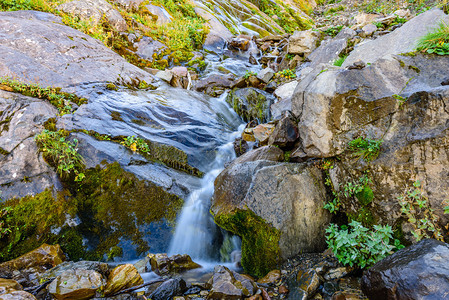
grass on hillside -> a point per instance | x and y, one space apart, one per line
436 41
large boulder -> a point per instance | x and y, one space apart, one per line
402 40
218 33
275 207
163 265
417 272
76 284
36 47
303 42
251 104
94 11
342 105
21 118
122 277
169 289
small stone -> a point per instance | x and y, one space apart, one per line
239 43
248 135
368 30
262 132
358 65
265 75
308 281
283 289
17 295
169 289
272 277
165 75
255 297
286 91
8 285
122 277
336 273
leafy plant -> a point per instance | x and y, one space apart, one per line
417 210
339 61
287 74
365 148
359 246
136 144
248 74
333 31
436 41
4 228
61 154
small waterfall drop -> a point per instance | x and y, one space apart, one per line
195 231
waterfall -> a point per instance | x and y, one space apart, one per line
195 231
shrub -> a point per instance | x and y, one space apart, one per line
61 154
436 41
417 210
365 148
359 246
248 74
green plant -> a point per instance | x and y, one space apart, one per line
61 154
61 100
248 74
136 144
287 74
333 31
4 228
339 61
365 148
436 41
359 246
417 210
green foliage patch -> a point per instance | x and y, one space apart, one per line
359 246
366 149
436 41
61 154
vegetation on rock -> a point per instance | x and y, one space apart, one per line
436 41
366 149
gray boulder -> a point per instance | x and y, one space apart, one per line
93 11
251 104
227 284
302 42
36 47
402 40
146 47
280 207
218 35
162 16
417 272
22 170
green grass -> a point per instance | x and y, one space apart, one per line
436 41
339 61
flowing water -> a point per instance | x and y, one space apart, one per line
196 231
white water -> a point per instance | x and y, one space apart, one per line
196 230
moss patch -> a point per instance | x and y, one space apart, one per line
260 241
111 204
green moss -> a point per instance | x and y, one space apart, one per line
112 87
414 68
3 151
366 196
50 124
260 241
116 116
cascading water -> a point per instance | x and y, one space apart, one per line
196 231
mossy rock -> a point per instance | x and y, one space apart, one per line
260 241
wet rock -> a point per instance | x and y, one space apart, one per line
286 90
272 277
17 295
270 153
181 77
286 196
253 81
240 147
251 104
239 43
262 132
161 15
309 281
8 285
65 57
39 260
336 273
99 267
143 265
401 40
248 135
164 265
122 277
368 30
21 118
415 272
265 75
76 284
93 11
227 284
213 84
169 289
218 34
285 134
302 42
146 48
